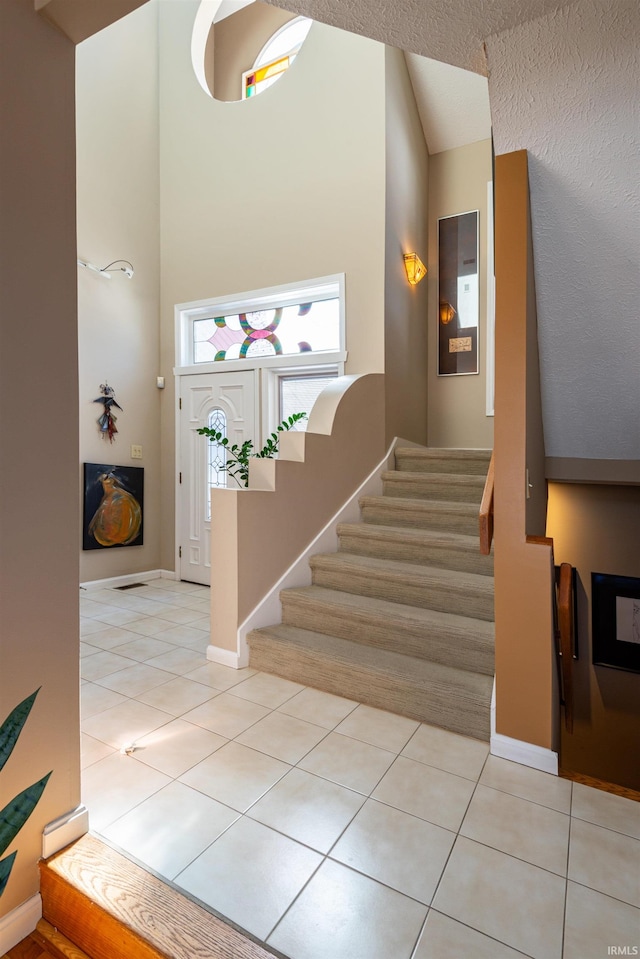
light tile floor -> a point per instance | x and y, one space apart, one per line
325 828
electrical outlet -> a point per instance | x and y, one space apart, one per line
136 452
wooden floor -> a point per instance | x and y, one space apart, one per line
45 942
623 791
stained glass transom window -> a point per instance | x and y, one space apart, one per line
216 474
275 57
283 331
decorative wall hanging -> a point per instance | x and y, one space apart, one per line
458 294
113 501
615 619
107 421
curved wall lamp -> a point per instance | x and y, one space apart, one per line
127 268
415 268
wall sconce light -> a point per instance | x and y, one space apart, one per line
126 268
447 313
415 268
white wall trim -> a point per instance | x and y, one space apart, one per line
64 830
269 610
225 657
112 581
18 923
527 754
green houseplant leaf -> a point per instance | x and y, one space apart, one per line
6 866
237 459
12 726
15 814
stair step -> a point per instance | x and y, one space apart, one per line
430 548
415 459
449 591
454 699
420 514
453 487
443 638
112 908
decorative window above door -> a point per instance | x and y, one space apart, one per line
302 321
281 331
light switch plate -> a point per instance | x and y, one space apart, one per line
136 452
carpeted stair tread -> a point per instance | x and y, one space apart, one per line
427 586
445 638
432 459
401 617
421 513
428 692
443 548
454 487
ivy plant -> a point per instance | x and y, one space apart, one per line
237 457
15 813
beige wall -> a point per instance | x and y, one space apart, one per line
118 216
286 187
457 404
237 41
39 525
597 530
405 306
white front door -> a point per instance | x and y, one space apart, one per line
226 402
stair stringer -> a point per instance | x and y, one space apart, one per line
269 610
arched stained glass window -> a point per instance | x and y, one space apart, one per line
216 475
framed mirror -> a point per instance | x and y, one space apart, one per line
458 294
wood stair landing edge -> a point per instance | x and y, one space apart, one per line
110 908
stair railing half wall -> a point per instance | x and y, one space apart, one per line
258 533
527 710
486 511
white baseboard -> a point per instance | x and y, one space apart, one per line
112 581
226 657
527 754
18 923
168 574
59 833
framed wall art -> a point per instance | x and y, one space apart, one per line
458 294
615 612
113 501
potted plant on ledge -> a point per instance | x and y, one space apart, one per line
237 456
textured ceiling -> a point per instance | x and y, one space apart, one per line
449 30
453 104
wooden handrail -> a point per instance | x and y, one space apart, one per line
486 511
566 627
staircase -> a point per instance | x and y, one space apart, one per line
401 617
